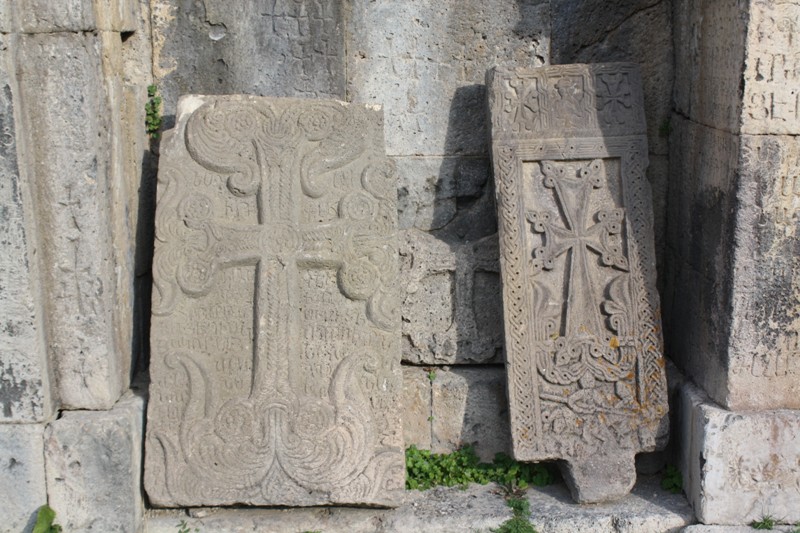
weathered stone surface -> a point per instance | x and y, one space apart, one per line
648 509
469 406
416 407
94 461
452 307
764 345
44 16
280 48
701 223
426 61
639 31
275 334
736 201
65 124
445 408
700 528
24 377
771 102
710 45
583 338
22 479
739 466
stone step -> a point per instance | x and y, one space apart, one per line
479 508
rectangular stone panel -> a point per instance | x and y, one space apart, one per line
64 123
764 345
275 366
772 69
24 375
584 356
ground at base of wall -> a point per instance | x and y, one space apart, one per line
648 509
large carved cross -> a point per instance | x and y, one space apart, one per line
580 235
278 171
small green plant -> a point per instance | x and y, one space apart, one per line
183 527
766 522
519 523
426 469
431 375
672 480
152 110
44 521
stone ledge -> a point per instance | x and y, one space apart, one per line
648 509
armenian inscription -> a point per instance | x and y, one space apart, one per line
586 379
275 366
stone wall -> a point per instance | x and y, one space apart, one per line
71 166
733 256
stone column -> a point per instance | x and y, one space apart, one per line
732 305
66 254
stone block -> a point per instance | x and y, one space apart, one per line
452 197
478 508
735 202
771 101
764 347
25 394
35 16
710 40
440 51
739 466
22 478
275 338
417 413
639 31
452 309
217 47
65 123
701 223
94 461
583 331
469 406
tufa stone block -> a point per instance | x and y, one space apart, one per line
438 107
217 47
739 466
25 394
94 462
452 308
469 406
586 379
771 102
22 478
67 139
275 336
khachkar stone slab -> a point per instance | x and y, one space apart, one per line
275 367
585 368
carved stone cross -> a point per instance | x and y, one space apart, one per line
586 377
275 229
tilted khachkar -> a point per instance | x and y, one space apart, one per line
586 379
275 367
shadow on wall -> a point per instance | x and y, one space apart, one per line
143 259
465 205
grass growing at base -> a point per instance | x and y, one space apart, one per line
462 467
519 522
